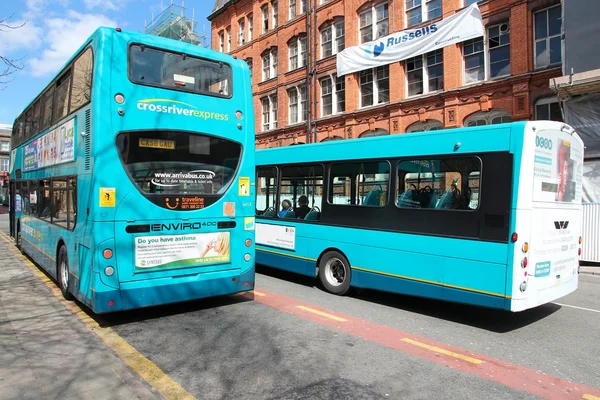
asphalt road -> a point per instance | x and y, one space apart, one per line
232 347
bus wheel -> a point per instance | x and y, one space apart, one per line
335 273
63 273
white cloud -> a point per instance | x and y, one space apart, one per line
63 37
104 4
26 36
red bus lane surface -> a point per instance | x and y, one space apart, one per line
510 375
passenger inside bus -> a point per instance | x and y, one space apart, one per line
302 208
285 206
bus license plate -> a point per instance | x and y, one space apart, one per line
157 143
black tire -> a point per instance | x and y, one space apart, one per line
335 273
62 273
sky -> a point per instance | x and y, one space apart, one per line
52 30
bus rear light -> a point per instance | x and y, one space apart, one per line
580 240
118 29
524 263
525 247
525 273
109 271
514 237
111 303
238 114
248 242
579 252
523 286
246 284
119 98
107 253
247 257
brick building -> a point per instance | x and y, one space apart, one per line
291 46
5 132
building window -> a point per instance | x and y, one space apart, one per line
548 109
297 52
292 9
498 55
333 98
369 30
417 13
269 112
249 62
374 86
275 10
425 73
5 146
228 34
222 42
547 31
250 23
302 6
499 48
297 104
269 60
332 38
241 32
4 164
469 2
265 18
491 117
429 125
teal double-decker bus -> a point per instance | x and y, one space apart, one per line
487 215
132 174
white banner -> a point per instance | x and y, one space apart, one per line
399 46
276 236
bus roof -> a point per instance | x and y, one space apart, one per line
488 138
150 40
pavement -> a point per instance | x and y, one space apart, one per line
46 351
590 269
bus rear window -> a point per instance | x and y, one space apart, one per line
178 163
154 67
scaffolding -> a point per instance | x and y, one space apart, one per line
172 23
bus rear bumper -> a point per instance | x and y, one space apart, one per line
147 293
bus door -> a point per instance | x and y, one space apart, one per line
11 208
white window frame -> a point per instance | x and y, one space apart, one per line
335 94
546 101
338 37
486 55
546 39
228 35
429 125
250 23
425 68
489 49
269 112
269 71
222 41
241 32
423 8
299 44
375 86
265 18
4 164
302 6
5 146
300 103
292 10
274 13
374 24
488 117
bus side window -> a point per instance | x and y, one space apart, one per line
266 191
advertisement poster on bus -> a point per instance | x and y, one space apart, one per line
173 251
55 147
276 236
558 168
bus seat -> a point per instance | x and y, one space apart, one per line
269 213
313 215
445 201
372 198
405 199
289 214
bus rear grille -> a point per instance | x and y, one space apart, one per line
87 139
590 249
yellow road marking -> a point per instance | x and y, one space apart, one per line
588 396
145 368
259 294
322 314
442 351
